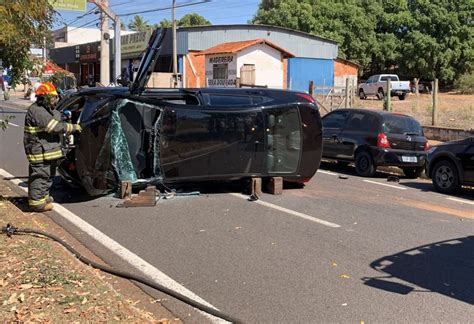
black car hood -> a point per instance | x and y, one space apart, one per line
458 142
148 61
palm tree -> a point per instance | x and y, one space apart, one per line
138 24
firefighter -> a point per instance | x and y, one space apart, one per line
42 144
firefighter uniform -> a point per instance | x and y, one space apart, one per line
42 143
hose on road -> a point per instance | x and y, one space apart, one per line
10 230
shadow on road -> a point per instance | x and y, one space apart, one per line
465 193
349 170
445 267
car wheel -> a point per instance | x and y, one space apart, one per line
380 94
362 95
402 96
364 164
445 177
413 172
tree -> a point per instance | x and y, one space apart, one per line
419 38
188 20
139 24
193 19
23 23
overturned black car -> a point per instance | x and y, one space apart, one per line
162 136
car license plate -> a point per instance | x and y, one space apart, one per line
410 159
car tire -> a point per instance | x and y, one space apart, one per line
380 94
362 95
413 172
402 96
445 177
365 166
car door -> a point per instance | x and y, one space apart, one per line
332 127
467 161
371 87
360 129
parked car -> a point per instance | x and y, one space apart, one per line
374 138
163 136
376 85
451 165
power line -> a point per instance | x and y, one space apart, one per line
164 8
84 25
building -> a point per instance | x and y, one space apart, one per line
266 55
70 35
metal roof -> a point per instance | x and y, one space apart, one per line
299 43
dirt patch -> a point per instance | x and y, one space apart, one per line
41 281
454 110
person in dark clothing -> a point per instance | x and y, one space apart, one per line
43 146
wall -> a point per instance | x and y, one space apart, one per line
214 59
303 70
445 134
194 78
344 70
268 65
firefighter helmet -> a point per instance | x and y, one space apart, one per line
45 89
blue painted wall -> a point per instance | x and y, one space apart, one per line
302 70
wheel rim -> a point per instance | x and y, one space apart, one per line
444 177
363 163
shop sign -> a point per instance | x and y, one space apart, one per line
74 5
88 52
134 43
221 70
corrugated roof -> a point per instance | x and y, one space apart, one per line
234 47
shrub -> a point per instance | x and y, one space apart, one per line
465 83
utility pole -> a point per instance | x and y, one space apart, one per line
175 59
104 46
104 8
44 50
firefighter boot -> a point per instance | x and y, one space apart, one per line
43 208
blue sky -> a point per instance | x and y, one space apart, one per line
218 12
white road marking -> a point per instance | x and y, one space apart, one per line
289 211
461 201
327 172
132 259
384 184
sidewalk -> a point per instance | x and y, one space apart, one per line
16 100
41 281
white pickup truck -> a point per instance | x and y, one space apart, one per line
376 85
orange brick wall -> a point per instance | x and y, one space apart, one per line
198 63
343 69
285 73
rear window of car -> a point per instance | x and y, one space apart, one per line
401 125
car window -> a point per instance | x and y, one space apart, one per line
362 122
389 77
233 100
401 125
336 119
283 136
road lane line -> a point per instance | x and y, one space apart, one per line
327 172
132 259
384 184
461 200
289 211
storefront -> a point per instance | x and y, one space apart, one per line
89 56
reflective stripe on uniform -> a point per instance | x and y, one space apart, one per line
52 123
44 156
69 128
39 202
33 129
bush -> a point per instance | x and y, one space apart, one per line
465 83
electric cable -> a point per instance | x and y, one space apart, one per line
10 230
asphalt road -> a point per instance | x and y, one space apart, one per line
338 250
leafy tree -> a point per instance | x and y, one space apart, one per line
420 38
23 23
139 24
193 19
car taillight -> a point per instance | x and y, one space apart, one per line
306 97
427 146
382 141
